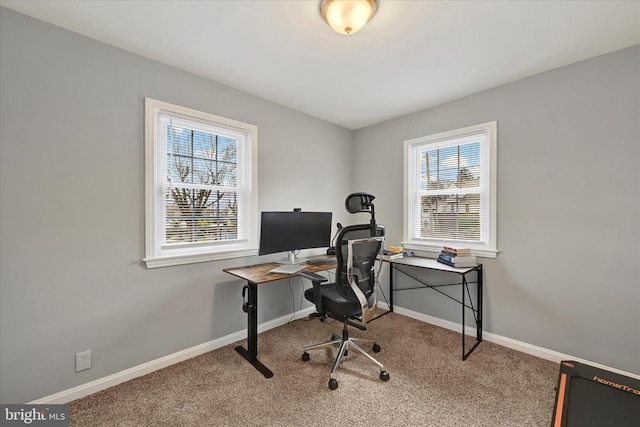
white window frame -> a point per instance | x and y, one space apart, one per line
157 255
487 246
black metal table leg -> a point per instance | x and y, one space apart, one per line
251 353
390 294
391 287
477 312
479 298
464 308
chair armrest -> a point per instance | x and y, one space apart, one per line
314 277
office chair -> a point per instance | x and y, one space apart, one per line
352 296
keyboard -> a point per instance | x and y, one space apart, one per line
288 269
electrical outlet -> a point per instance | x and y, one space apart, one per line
83 360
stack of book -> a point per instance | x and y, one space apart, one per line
392 252
457 257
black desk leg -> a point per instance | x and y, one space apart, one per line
390 294
251 355
464 308
477 312
479 299
391 287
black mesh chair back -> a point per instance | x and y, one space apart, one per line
356 252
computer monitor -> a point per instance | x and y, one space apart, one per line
292 231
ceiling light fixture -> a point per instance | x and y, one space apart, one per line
348 16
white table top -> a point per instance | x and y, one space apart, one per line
431 263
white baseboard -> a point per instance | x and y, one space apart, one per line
95 386
520 346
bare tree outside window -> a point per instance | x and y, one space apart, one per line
201 204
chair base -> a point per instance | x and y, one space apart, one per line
345 343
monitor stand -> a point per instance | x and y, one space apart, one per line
293 259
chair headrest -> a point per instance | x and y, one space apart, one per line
359 202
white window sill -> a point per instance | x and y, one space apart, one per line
170 260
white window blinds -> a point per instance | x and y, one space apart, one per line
204 184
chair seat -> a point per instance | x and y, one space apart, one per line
335 305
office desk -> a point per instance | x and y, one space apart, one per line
404 265
256 275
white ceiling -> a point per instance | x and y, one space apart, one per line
412 54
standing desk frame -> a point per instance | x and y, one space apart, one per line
432 264
256 275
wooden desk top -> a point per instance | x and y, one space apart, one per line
260 274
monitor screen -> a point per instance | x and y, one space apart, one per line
292 231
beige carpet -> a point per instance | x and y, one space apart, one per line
429 385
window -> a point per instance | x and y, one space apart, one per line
201 200
450 190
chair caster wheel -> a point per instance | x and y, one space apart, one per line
384 375
376 348
305 356
333 384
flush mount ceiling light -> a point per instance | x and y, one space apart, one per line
348 16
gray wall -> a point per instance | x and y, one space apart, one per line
72 209
568 274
